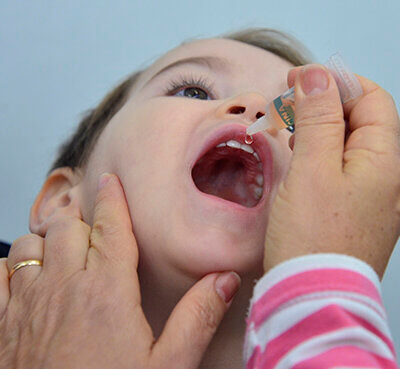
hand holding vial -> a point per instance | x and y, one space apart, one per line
356 181
281 111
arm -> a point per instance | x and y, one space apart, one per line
315 308
318 311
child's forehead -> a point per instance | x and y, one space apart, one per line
230 52
210 47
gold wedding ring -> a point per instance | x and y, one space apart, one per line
24 263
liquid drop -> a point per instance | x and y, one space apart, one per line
248 139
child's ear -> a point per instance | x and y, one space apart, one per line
59 197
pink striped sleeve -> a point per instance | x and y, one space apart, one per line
318 311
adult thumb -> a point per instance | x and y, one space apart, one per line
194 321
320 126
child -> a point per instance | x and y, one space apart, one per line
200 202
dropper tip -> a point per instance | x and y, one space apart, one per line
260 124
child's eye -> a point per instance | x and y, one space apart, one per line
196 88
194 92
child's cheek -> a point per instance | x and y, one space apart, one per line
169 121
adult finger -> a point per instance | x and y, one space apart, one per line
195 320
112 240
374 116
320 126
374 111
28 247
66 246
4 286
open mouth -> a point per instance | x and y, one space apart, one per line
232 171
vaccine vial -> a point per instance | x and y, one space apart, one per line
281 111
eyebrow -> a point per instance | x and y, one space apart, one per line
211 62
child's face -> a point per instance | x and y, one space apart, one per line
156 139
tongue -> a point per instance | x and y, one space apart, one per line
226 178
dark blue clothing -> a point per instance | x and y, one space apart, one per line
4 249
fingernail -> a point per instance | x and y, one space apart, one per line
227 284
103 180
314 79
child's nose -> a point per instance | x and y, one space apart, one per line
249 106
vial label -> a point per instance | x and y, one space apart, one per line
285 108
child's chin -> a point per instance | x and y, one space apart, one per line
220 256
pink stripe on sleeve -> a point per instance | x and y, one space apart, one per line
309 282
328 319
314 312
345 356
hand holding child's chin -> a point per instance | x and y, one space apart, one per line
341 195
81 307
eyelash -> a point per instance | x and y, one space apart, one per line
175 85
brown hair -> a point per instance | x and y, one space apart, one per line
75 152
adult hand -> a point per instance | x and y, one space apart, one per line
82 308
342 191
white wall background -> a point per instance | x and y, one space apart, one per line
58 58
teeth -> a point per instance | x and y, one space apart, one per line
233 143
258 191
260 180
247 148
238 145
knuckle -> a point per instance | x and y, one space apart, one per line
103 228
99 228
24 242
